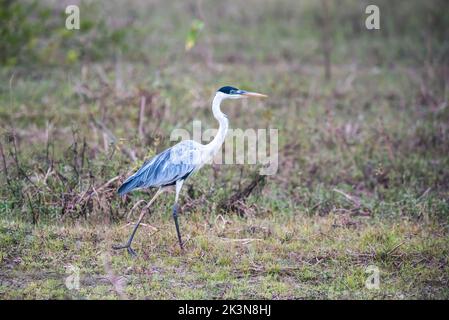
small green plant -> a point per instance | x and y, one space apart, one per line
192 37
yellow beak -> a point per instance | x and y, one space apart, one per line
255 95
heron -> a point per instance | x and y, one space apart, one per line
173 166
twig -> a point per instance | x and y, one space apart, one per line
348 197
102 75
235 201
47 148
316 205
5 168
142 224
134 208
143 100
243 241
108 183
395 247
15 156
421 197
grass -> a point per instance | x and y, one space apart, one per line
302 257
363 166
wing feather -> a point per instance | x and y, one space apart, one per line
164 169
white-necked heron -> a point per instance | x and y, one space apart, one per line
174 165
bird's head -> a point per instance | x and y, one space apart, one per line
234 93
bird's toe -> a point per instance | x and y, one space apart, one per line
132 252
119 246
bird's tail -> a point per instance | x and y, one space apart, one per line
127 186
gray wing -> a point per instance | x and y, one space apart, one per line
164 169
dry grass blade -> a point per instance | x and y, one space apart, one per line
348 197
242 241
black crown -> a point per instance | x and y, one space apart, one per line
228 90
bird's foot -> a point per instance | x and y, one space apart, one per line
131 252
127 247
181 246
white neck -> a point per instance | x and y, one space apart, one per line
216 143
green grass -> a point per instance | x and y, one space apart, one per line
363 173
322 258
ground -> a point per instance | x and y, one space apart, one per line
363 172
231 258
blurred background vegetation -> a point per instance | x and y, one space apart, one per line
34 32
362 114
61 86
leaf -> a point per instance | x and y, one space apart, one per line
72 56
192 37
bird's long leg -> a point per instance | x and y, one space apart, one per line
175 211
128 244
